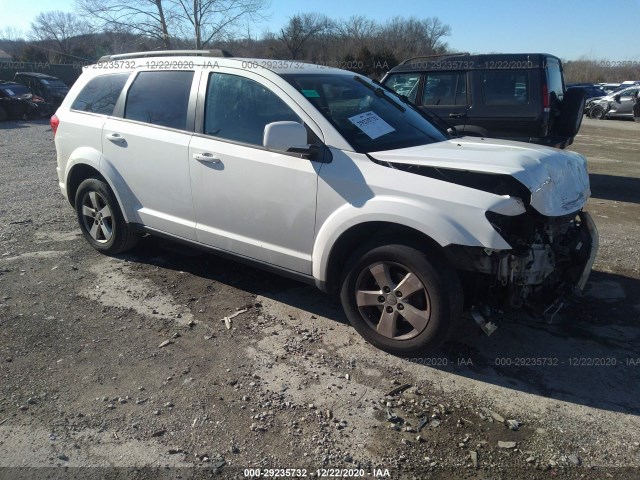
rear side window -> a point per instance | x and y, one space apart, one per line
238 109
100 94
445 89
160 98
505 87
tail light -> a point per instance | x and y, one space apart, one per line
54 122
545 98
37 99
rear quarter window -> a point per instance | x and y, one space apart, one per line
100 94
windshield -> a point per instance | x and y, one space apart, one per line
54 83
15 90
367 116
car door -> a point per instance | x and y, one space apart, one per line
504 104
625 105
255 203
145 148
445 94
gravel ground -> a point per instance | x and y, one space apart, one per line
124 367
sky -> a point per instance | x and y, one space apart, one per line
596 29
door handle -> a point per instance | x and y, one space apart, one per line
115 137
206 157
457 115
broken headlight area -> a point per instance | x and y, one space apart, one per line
547 261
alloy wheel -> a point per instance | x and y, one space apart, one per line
393 300
97 217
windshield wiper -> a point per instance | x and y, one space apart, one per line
380 93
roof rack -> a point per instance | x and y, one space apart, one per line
165 53
435 56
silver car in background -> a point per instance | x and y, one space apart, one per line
615 105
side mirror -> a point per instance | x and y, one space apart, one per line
288 137
617 98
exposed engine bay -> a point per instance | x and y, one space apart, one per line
551 258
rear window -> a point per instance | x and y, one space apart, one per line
554 78
160 98
100 94
505 87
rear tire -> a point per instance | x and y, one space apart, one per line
401 299
101 220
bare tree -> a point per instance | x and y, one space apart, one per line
409 37
357 29
12 41
58 29
11 34
300 29
144 17
208 20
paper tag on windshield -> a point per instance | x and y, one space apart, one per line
371 124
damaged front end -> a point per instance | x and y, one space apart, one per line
551 258
552 242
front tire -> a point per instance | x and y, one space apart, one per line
597 112
101 220
401 299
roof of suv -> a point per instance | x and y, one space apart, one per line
211 58
465 61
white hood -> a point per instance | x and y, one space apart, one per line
557 179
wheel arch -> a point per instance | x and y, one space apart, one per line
355 236
78 173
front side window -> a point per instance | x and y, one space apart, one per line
444 89
629 93
505 87
367 116
404 84
160 98
100 94
238 109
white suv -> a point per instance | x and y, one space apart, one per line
328 177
